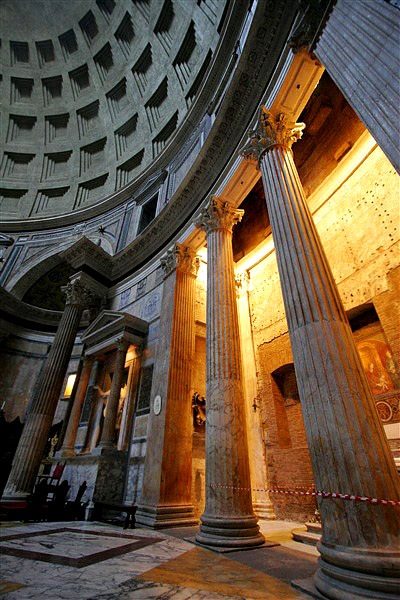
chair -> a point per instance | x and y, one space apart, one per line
53 479
56 507
75 509
37 506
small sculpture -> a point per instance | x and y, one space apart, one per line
199 409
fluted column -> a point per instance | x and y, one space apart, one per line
71 401
262 504
107 439
359 47
166 497
30 449
67 448
348 447
228 519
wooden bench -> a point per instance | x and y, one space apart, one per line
129 509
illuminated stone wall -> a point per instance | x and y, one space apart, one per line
358 225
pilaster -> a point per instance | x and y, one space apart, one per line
166 496
262 504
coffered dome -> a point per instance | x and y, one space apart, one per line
95 95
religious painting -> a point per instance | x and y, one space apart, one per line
382 373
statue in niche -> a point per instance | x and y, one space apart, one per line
99 411
53 444
199 410
121 405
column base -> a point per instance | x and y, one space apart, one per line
10 496
104 450
264 510
104 445
354 574
65 453
159 517
225 532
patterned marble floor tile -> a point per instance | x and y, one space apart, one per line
72 546
9 586
146 590
206 570
166 568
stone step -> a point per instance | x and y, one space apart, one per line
314 527
306 537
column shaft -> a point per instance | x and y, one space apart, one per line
348 447
69 407
228 519
108 433
73 423
262 504
38 422
166 496
359 48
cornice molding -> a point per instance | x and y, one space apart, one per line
112 327
267 37
17 311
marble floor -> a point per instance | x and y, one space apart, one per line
97 561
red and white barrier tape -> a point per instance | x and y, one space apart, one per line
311 492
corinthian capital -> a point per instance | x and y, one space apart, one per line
218 215
182 258
243 283
272 131
78 294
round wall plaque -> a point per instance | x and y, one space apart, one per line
157 405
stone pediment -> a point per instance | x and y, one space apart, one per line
110 327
